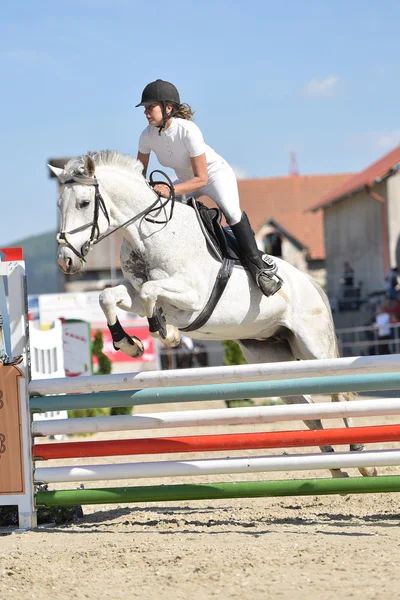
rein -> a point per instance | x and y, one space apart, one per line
99 204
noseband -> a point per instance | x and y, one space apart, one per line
99 205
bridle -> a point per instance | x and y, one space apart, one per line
99 205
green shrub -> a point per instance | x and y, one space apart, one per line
78 413
234 356
105 364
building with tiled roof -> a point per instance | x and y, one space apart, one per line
286 200
362 225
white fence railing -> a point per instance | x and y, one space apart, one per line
365 341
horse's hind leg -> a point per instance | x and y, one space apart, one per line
315 424
365 471
347 420
325 346
256 351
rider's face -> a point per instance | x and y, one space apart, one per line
153 113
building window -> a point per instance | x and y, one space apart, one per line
273 244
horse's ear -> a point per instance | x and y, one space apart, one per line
90 166
59 173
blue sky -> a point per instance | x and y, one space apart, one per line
319 77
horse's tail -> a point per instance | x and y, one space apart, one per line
335 349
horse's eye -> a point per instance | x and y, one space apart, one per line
84 203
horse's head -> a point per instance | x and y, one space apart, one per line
83 213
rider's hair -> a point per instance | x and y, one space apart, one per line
182 111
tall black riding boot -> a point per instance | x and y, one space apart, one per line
262 268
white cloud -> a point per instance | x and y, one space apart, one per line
388 140
239 172
375 140
322 88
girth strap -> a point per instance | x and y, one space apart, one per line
219 286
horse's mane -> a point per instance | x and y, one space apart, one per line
103 158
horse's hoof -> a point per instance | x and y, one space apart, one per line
368 471
174 336
339 474
356 447
132 347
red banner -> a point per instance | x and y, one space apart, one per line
142 333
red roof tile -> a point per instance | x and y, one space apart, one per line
286 200
373 174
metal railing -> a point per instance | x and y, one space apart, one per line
364 341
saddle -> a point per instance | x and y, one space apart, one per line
220 240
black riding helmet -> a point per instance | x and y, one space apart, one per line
162 92
159 91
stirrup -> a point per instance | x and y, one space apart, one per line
270 282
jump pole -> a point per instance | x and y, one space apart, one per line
215 491
219 416
222 391
215 443
360 365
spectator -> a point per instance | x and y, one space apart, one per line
392 306
382 321
348 292
348 275
391 286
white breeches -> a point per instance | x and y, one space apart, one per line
222 188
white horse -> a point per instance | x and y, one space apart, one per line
166 263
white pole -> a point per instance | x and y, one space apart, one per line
218 416
218 466
213 375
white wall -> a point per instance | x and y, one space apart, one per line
393 217
353 233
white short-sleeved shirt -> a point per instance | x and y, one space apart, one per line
176 145
383 322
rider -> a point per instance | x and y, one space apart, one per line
178 143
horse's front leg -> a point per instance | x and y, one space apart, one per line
122 296
171 290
